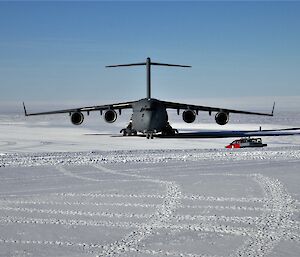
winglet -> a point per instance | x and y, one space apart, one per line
25 109
273 109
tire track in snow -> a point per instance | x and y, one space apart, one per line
68 173
222 229
223 199
68 222
84 246
170 253
236 219
192 197
66 203
178 218
273 224
226 207
12 219
73 175
202 218
77 213
32 178
159 218
141 205
80 245
23 147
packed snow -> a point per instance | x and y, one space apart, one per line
86 191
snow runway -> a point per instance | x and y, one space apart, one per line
150 203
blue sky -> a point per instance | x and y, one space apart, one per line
57 51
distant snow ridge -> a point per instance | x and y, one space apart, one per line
145 156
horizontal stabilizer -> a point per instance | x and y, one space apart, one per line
148 65
171 65
148 62
124 65
152 63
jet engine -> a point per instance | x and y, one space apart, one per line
189 116
77 118
110 116
222 118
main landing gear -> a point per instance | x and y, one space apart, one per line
128 131
166 131
169 131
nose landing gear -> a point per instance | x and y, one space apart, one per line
150 135
166 131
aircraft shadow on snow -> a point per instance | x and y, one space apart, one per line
219 133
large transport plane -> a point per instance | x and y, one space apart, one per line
149 115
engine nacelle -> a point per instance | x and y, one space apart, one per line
77 118
110 116
222 118
189 116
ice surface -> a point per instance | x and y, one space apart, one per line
77 191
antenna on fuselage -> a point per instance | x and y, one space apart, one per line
148 64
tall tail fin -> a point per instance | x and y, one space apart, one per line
148 64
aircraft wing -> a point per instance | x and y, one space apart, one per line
117 106
178 106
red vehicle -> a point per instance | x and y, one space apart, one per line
246 142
